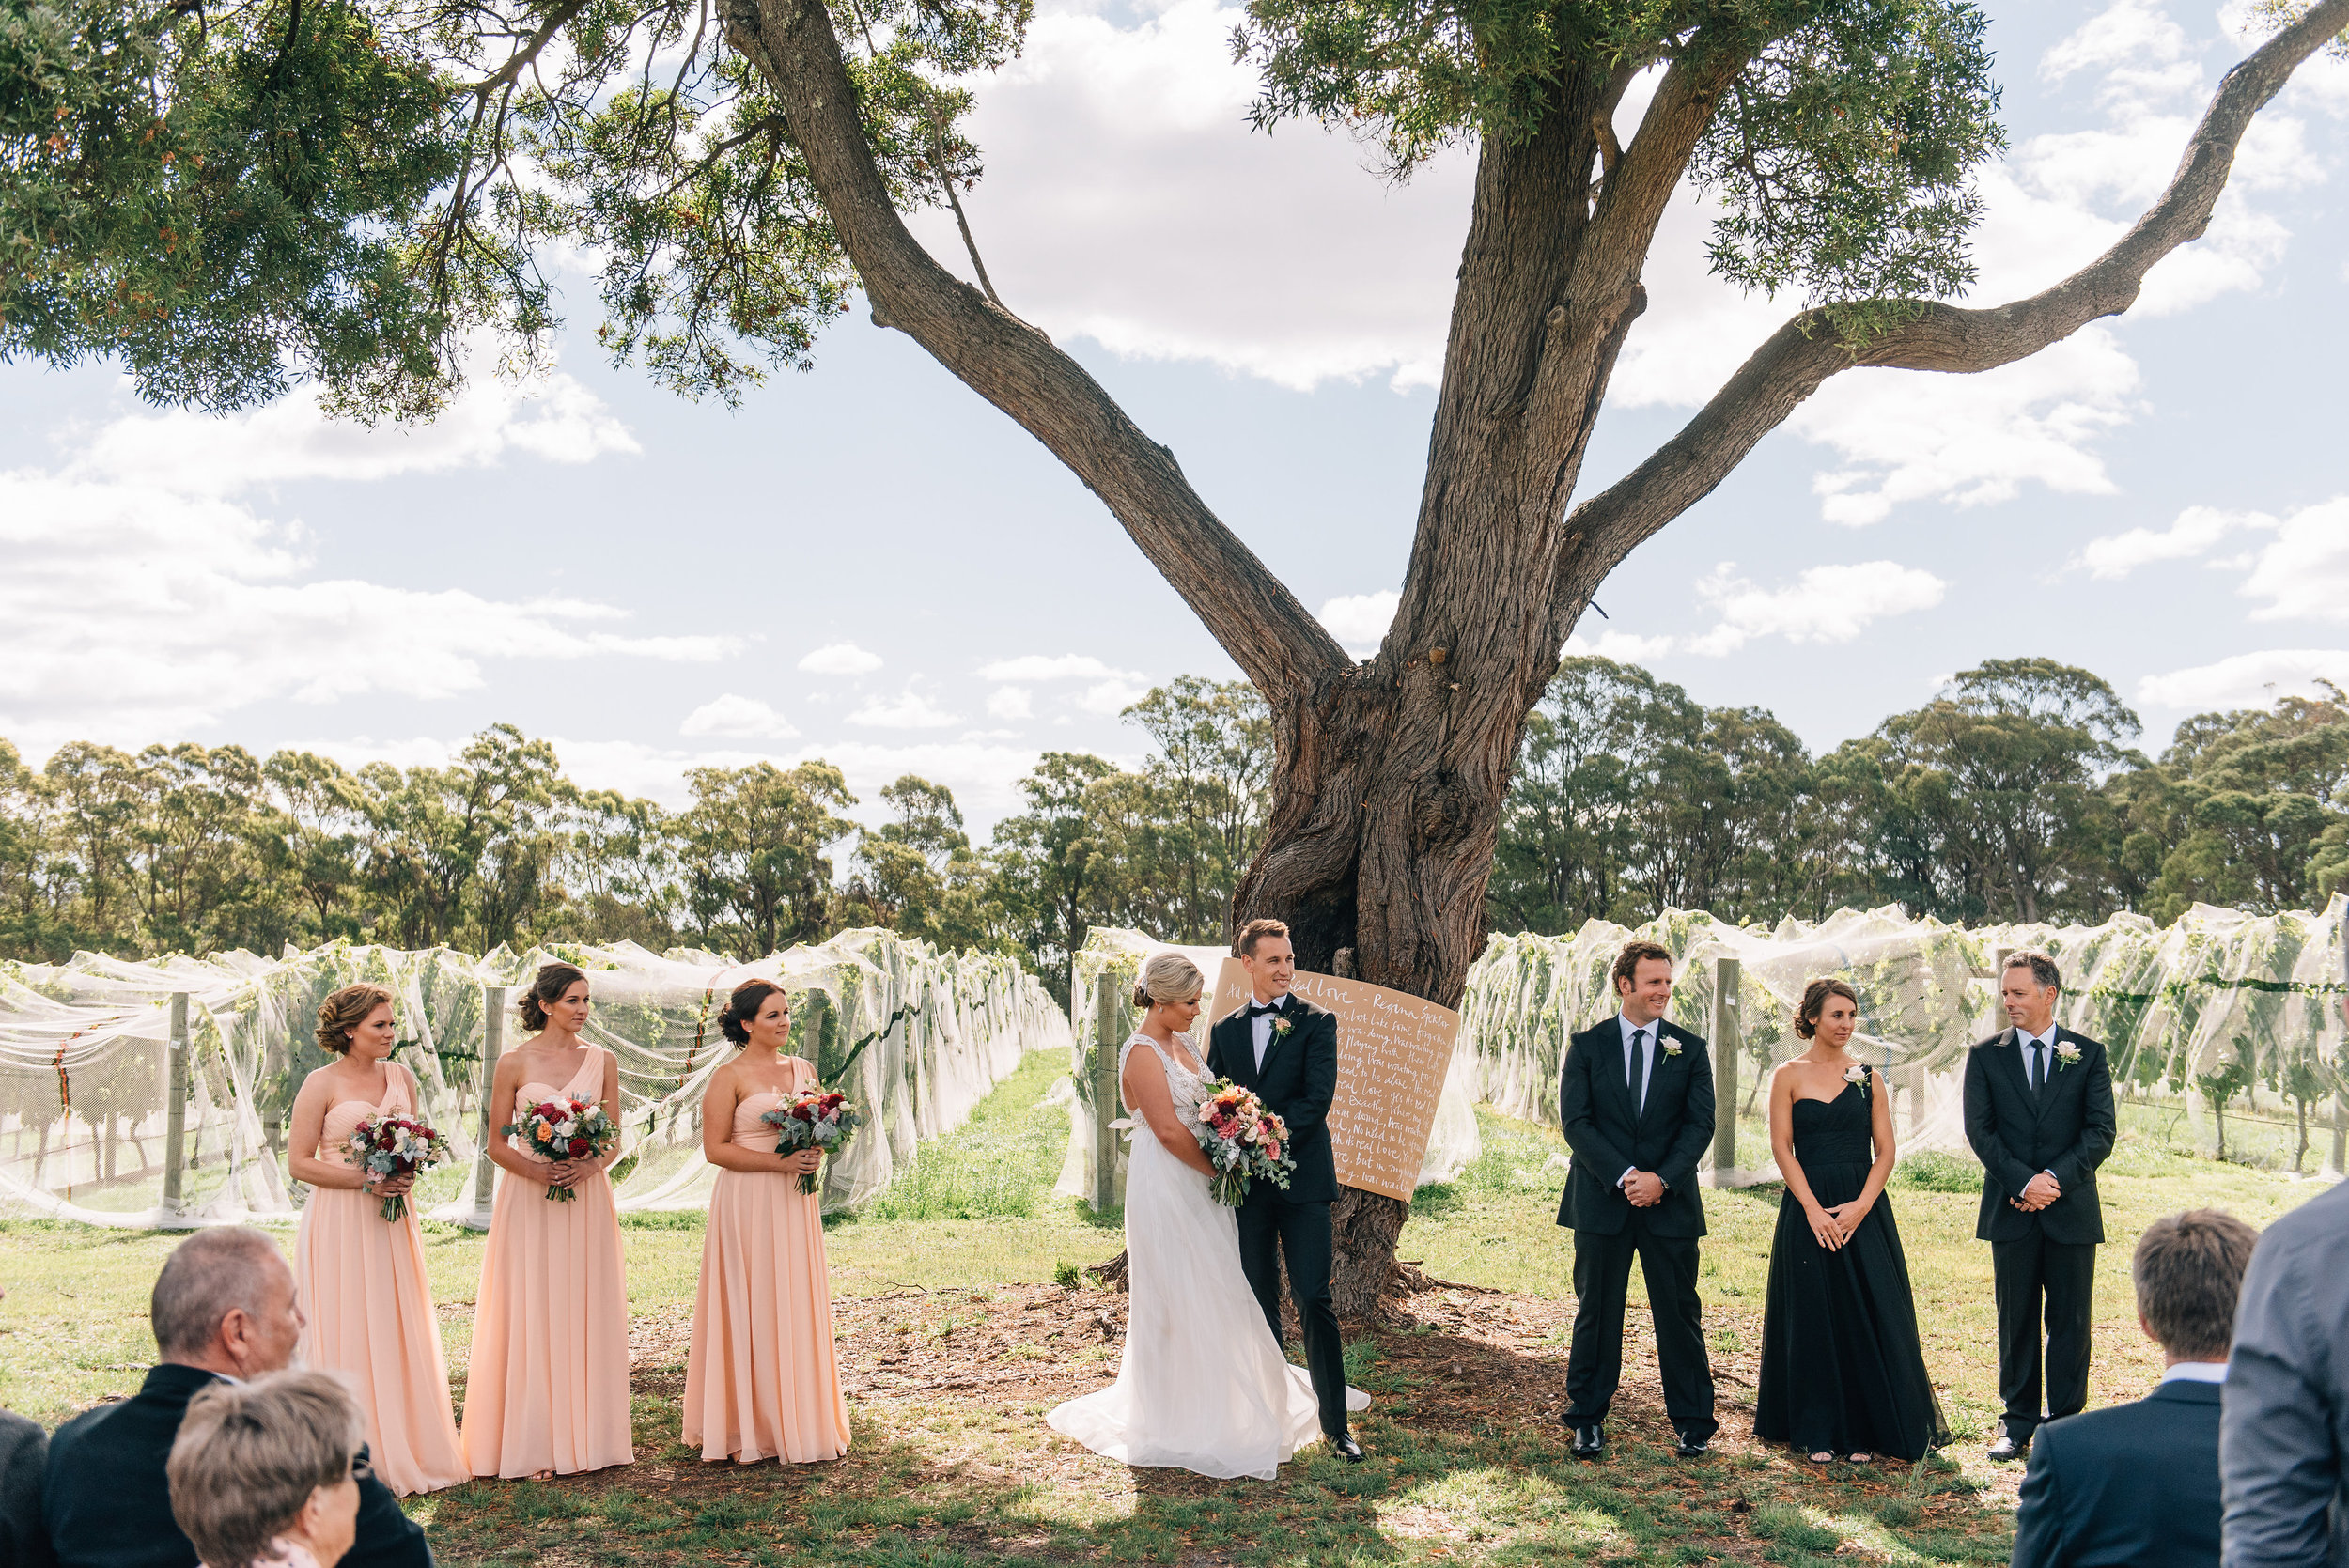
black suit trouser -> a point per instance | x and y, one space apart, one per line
1602 1287
1270 1231
2062 1275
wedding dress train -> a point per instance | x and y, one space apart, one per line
1203 1385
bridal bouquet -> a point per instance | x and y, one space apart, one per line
564 1127
817 1119
1242 1140
395 1146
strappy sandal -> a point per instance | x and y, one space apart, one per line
1860 1458
1821 1458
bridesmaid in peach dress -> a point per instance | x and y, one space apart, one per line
761 1379
546 1393
359 1277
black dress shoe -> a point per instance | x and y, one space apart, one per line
2006 1449
1590 1442
1692 1447
1346 1448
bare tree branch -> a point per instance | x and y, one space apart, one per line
1270 635
1804 353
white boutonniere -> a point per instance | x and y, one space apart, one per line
2066 1053
1858 1073
1671 1047
1281 1027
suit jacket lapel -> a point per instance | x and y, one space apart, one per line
1239 1053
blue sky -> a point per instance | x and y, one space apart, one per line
869 565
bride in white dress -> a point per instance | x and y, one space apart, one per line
1203 1386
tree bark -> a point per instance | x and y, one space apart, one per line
1391 775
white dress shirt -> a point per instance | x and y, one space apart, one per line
1647 1068
2043 1069
1260 1027
2196 1372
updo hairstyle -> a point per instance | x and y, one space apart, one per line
1814 1002
344 1011
552 980
734 1020
249 1456
1168 977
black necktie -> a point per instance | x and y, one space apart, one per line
2038 1065
1258 1009
1638 1062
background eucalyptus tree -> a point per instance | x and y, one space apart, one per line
226 194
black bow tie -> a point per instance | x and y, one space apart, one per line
1258 1009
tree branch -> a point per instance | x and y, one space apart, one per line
1799 357
1270 634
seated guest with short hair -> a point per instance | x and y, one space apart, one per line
2138 1483
222 1310
266 1474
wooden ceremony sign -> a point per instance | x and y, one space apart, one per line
1393 1050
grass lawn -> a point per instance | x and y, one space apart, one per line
959 1327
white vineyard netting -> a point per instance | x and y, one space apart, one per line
85 1069
2221 1014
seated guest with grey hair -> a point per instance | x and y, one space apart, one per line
223 1311
2139 1484
266 1474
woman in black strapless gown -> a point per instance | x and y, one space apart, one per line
1842 1372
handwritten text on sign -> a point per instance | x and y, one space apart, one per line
1393 1049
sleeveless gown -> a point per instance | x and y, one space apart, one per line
1842 1370
762 1379
362 1284
1203 1385
547 1388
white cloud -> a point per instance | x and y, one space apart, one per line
747 718
1624 647
2196 530
205 455
131 612
1127 200
1009 702
1067 666
1969 440
2305 571
1360 621
2247 679
840 659
1111 697
1827 604
907 710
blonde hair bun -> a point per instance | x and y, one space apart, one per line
1168 977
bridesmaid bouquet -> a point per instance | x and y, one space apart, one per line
395 1146
817 1119
1242 1140
566 1128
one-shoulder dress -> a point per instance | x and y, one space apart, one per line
367 1309
1842 1370
547 1387
762 1379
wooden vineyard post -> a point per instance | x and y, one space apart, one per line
485 1173
1728 1045
176 1111
2340 1091
1111 1020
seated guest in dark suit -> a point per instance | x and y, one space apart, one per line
223 1308
2139 1484
24 1456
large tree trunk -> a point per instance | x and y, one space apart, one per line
1391 775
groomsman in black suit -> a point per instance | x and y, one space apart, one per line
1287 1050
2137 1484
1635 1096
2039 1115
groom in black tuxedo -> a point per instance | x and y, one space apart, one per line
1635 1097
1287 1050
2039 1116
